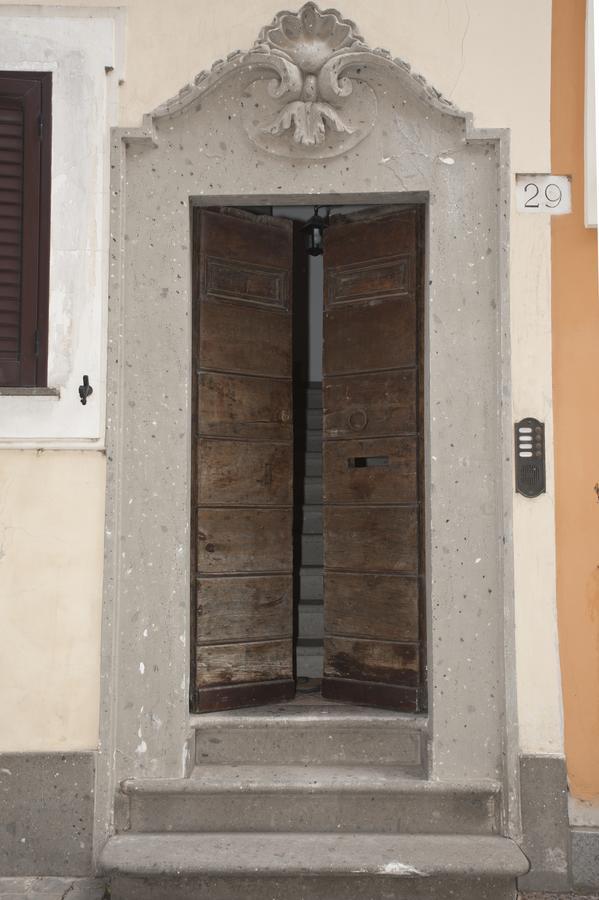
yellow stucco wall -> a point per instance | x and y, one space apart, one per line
490 58
51 536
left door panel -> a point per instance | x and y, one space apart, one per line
242 552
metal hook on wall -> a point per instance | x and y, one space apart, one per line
85 390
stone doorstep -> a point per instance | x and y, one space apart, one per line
535 895
311 731
300 799
48 888
260 855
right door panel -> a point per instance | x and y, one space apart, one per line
374 600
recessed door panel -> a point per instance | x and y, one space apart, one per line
242 549
373 478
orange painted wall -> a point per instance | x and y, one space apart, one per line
576 410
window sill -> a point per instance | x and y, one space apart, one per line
29 392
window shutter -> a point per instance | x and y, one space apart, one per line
24 229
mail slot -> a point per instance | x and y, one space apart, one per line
366 462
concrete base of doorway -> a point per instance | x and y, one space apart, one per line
544 896
53 888
312 867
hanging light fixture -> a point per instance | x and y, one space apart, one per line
314 232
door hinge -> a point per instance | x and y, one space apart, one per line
36 343
40 127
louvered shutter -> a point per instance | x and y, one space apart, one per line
24 227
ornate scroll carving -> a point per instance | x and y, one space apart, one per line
325 110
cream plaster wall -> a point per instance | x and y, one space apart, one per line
490 58
51 511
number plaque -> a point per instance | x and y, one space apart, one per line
544 194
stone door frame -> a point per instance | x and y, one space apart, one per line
199 149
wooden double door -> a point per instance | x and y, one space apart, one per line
243 542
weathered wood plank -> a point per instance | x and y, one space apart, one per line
371 606
383 470
377 403
380 334
371 539
244 541
253 239
236 696
238 663
373 693
389 663
242 473
370 236
245 608
242 406
255 343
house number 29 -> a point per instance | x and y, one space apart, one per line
543 194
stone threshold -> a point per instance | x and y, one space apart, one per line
544 896
52 888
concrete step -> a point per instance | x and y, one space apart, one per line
312 520
310 660
314 442
311 621
357 799
313 465
313 491
312 552
321 733
311 584
311 867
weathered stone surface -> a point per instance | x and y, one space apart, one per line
47 813
311 733
399 856
545 896
53 889
298 799
585 859
546 833
356 887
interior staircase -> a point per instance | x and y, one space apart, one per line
310 801
309 647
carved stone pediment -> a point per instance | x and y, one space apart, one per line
308 85
321 109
